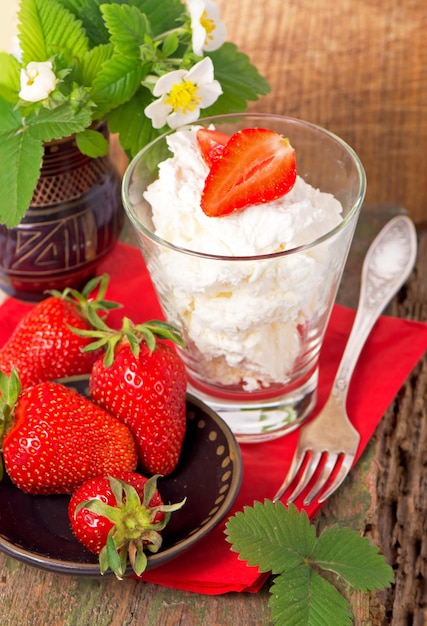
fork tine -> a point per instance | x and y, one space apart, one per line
296 464
339 478
306 476
327 469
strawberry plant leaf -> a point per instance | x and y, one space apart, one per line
170 45
24 155
93 61
64 120
127 26
301 597
53 28
270 536
352 557
88 11
73 5
10 120
240 81
117 81
282 540
92 143
9 76
131 123
161 20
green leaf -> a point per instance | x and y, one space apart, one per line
130 122
48 29
240 80
302 597
89 12
170 45
92 143
75 6
62 121
161 19
270 536
352 557
10 120
127 27
23 155
284 542
93 61
116 83
9 76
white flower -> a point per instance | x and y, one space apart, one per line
183 94
37 81
209 32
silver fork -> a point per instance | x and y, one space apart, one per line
330 441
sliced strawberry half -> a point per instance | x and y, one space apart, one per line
211 144
257 166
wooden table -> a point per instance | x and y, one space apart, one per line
384 498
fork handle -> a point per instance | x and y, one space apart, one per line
388 263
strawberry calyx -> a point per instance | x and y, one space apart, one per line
91 299
137 526
108 338
10 389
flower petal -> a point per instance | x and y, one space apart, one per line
209 94
183 94
196 8
167 81
202 73
37 81
216 37
158 112
178 118
208 31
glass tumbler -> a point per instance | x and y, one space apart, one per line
254 324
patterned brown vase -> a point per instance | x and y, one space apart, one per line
74 220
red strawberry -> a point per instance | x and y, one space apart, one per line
143 382
211 144
257 166
55 439
43 347
120 517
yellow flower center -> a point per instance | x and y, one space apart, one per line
184 96
208 24
32 78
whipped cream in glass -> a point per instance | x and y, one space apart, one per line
252 291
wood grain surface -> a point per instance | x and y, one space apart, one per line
358 68
385 497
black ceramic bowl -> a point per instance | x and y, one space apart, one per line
36 530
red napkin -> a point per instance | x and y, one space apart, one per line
390 354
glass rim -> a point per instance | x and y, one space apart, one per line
271 255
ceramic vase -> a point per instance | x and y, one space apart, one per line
74 221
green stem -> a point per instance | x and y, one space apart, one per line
180 30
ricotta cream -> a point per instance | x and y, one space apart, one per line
246 321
